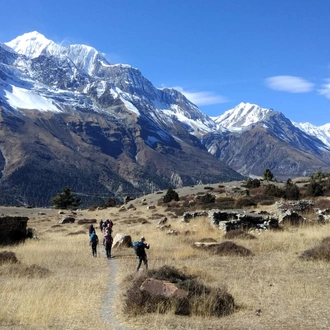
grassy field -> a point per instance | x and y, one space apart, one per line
58 285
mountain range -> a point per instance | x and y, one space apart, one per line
70 118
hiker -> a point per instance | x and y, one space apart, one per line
140 252
101 226
91 230
93 241
107 242
109 223
104 226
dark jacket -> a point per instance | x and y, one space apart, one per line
141 249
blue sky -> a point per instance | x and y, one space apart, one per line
274 53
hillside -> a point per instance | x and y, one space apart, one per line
261 284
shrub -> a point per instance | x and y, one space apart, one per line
224 203
207 198
230 249
319 252
255 183
291 191
202 300
7 257
267 175
170 195
245 202
314 189
274 191
239 234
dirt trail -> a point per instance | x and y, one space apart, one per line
109 301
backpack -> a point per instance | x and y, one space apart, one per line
93 238
108 239
138 248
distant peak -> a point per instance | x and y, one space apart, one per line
30 36
30 44
243 115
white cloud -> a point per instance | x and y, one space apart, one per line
203 97
290 84
325 90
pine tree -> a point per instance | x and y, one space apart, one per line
65 200
267 175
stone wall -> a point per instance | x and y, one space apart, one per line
12 229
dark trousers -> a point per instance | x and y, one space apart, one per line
94 252
145 261
108 250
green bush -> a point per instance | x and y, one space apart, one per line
65 200
170 196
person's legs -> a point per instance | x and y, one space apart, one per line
108 250
145 261
139 263
94 249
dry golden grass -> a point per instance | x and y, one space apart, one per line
274 288
64 298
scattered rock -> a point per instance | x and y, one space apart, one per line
164 227
173 232
67 220
162 221
122 240
86 221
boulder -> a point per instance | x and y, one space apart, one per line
122 240
163 288
12 229
67 220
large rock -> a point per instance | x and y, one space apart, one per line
12 229
122 240
163 288
67 220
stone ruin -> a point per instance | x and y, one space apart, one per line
228 220
13 229
287 213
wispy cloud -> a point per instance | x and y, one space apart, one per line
325 89
290 84
203 97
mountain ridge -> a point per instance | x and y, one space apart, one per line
104 129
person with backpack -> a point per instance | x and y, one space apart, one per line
109 226
91 229
139 248
107 242
93 241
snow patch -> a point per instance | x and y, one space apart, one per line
27 99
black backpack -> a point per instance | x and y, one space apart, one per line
138 248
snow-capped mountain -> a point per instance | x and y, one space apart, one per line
70 118
242 116
250 138
83 67
321 132
99 128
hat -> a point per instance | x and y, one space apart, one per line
142 238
